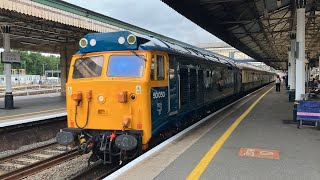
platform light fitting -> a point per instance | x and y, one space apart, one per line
83 42
278 3
265 13
131 39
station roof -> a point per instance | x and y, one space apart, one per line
259 28
49 25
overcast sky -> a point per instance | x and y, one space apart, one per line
152 15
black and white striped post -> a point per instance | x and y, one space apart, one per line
8 100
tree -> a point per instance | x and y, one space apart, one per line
33 61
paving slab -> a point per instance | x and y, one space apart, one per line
262 128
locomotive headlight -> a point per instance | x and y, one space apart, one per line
121 40
83 42
131 39
93 42
101 99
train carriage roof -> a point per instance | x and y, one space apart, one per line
252 68
125 40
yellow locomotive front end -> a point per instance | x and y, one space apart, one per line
108 91
108 101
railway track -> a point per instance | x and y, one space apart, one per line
35 160
96 172
25 133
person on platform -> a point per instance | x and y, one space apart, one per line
278 81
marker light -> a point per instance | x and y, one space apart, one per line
121 40
93 42
131 39
101 99
133 97
83 42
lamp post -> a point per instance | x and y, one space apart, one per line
25 66
43 64
58 74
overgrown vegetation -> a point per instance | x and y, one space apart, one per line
34 63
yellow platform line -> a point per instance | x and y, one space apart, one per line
32 113
204 162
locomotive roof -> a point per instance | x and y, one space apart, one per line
123 40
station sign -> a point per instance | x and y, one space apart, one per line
10 57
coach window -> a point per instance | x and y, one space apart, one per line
160 67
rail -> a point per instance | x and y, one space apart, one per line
23 164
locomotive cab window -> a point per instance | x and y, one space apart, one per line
157 68
88 67
160 68
125 66
152 77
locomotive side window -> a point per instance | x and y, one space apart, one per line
125 66
160 67
172 74
152 77
88 67
157 68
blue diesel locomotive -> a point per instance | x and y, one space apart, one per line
125 89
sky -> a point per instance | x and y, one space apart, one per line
152 15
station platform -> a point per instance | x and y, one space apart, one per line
33 108
251 139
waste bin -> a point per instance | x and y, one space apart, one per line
292 95
295 107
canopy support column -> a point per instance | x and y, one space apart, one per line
300 63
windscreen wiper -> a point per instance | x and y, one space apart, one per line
75 66
141 57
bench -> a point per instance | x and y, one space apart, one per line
308 111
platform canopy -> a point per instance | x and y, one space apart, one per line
259 28
48 25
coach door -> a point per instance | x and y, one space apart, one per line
173 88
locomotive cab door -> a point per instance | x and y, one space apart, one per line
159 90
173 88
